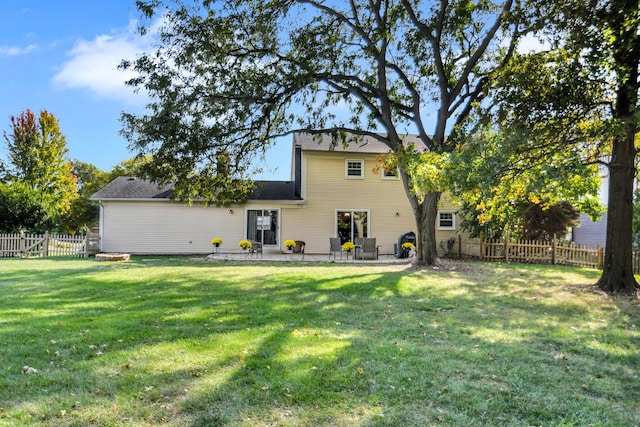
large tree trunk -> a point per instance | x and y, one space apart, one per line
617 274
425 215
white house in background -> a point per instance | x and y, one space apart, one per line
595 233
333 192
592 233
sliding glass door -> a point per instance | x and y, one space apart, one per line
262 226
352 224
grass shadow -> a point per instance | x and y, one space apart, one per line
182 342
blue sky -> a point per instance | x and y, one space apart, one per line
62 56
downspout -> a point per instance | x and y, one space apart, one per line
101 227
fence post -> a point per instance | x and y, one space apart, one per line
45 247
87 238
506 248
23 243
600 258
481 246
459 246
553 249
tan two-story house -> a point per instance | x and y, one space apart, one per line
334 191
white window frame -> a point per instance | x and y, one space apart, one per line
390 177
346 168
453 220
262 229
366 233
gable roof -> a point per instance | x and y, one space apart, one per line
131 188
357 144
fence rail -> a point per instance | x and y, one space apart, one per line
47 245
533 251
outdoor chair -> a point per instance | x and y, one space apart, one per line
299 248
366 248
256 247
335 246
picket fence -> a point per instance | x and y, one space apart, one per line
47 245
541 252
531 251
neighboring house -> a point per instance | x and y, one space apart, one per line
592 233
333 192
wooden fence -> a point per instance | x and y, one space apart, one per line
47 245
531 251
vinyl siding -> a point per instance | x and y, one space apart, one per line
326 190
168 228
164 227
591 233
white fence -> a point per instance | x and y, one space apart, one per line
47 245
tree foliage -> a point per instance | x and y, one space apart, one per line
38 178
583 92
502 176
21 209
230 75
84 213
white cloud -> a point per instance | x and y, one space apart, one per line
93 65
16 50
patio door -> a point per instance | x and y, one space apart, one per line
351 224
262 226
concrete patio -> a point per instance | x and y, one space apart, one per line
286 257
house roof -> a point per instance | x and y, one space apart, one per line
357 144
130 188
127 187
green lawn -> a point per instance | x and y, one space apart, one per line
189 342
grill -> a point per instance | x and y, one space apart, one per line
400 252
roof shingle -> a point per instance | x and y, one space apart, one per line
130 188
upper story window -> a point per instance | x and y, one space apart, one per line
446 220
354 169
390 172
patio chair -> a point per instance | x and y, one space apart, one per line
366 248
334 246
256 247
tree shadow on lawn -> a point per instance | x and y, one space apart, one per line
359 346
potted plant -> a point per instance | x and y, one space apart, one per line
245 245
348 246
216 242
290 244
408 247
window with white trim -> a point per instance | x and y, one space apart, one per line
352 224
354 169
446 220
390 172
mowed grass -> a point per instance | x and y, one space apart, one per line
186 342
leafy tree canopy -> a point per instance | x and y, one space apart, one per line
39 167
230 75
584 92
84 213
